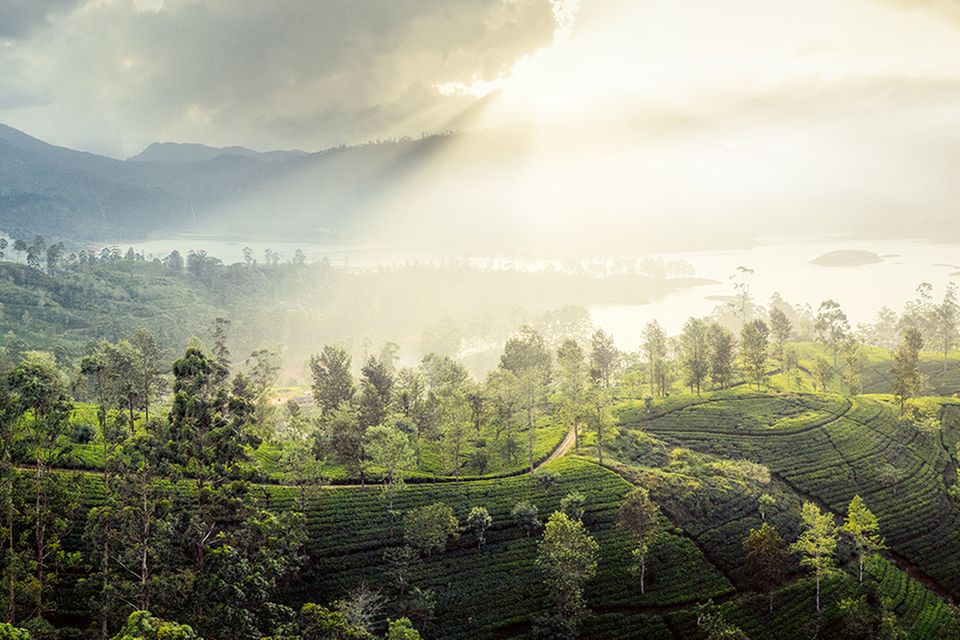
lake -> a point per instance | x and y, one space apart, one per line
778 266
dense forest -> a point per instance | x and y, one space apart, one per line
768 472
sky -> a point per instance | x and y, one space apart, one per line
112 76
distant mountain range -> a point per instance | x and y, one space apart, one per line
846 162
192 152
172 188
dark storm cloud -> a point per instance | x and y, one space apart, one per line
275 73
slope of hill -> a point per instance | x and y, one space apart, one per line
830 448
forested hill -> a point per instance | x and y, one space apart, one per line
71 195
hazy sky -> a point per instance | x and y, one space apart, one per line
112 76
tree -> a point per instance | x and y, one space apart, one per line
221 328
526 514
823 373
390 449
38 391
332 381
863 529
429 527
640 518
780 328
598 419
832 327
907 380
320 623
571 381
753 350
604 357
478 521
764 503
741 284
401 629
375 388
853 366
655 350
148 366
694 353
817 544
142 625
791 367
574 504
946 317
722 346
766 559
345 438
568 557
526 356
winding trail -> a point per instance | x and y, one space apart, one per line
559 451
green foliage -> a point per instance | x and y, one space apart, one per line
568 557
402 629
478 521
429 527
142 625
10 632
526 515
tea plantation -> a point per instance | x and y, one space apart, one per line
829 448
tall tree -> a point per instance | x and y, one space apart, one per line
148 365
655 350
853 366
39 398
832 327
863 529
946 318
780 328
766 561
640 518
571 379
390 449
817 544
907 379
568 557
753 350
526 356
604 358
694 353
332 380
722 352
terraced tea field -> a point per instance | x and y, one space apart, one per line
495 591
830 448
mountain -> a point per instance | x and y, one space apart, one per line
192 152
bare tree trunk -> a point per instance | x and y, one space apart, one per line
818 591
643 571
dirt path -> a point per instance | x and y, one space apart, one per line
565 445
561 450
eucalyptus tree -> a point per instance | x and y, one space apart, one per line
526 356
571 381
832 327
567 555
907 380
639 517
753 350
332 380
694 353
655 351
817 544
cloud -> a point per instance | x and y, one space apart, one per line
18 18
265 73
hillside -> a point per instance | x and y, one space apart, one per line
824 448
